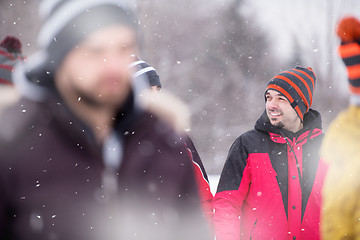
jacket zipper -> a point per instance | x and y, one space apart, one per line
252 229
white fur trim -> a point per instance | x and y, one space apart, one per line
168 108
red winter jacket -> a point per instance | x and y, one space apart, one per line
260 194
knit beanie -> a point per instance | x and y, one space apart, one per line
66 24
10 54
297 85
349 32
143 70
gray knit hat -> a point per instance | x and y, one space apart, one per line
66 24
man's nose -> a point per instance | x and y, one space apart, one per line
115 63
273 105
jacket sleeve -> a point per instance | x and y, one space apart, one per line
232 190
194 225
341 208
6 211
201 179
2 210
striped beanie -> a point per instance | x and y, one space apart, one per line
143 70
66 24
297 85
10 54
349 32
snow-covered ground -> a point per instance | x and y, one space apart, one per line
214 180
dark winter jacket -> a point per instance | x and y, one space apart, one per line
54 183
201 179
262 194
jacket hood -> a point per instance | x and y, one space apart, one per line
312 120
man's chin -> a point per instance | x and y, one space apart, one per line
101 101
273 121
278 124
110 101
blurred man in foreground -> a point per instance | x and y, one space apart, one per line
341 194
82 159
270 187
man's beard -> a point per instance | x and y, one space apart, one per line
93 101
86 98
279 125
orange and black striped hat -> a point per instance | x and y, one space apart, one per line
349 32
297 85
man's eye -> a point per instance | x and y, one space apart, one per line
282 99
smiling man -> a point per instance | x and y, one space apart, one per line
270 187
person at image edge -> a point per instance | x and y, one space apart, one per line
341 204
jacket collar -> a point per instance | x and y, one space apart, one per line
312 125
71 124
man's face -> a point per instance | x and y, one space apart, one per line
96 71
280 112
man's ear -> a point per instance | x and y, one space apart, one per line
265 94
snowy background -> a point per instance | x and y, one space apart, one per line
218 55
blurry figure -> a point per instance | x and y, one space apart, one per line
81 158
144 72
341 214
10 54
271 182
